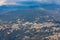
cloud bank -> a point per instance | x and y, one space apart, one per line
2 2
14 2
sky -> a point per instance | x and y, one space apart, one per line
14 2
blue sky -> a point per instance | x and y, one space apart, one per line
14 2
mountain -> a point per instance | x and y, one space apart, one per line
29 9
31 4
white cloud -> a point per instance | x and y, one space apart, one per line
49 1
14 2
2 2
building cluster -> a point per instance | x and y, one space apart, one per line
35 28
